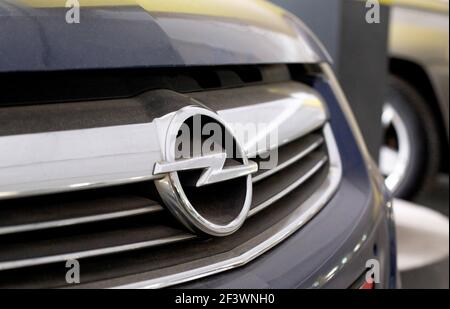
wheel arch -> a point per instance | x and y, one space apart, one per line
416 75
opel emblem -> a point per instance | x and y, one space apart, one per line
205 176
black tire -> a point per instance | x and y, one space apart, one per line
423 138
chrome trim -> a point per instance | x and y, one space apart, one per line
62 161
73 160
291 161
289 189
303 106
91 253
80 220
284 229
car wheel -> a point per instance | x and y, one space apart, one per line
409 156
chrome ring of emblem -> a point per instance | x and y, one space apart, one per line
171 189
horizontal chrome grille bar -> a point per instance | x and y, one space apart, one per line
17 262
41 225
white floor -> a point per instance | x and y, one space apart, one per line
422 235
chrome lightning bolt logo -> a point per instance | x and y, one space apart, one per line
209 191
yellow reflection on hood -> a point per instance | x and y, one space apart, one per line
259 12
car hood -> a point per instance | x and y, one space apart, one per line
147 33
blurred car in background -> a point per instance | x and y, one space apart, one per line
416 110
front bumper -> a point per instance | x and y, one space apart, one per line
329 252
333 249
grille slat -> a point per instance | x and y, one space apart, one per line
52 249
279 185
290 154
28 215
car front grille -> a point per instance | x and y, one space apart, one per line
119 230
